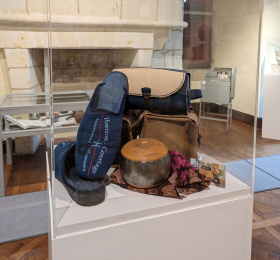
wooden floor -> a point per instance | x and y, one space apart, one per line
28 174
266 226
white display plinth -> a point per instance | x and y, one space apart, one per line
271 96
213 224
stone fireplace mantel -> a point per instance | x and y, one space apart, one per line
78 23
146 33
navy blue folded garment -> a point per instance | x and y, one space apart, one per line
83 192
99 134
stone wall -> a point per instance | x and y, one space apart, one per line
140 10
135 33
5 86
26 70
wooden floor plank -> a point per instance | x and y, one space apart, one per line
276 235
40 251
272 208
268 248
271 215
28 248
8 249
256 217
260 255
258 233
277 227
263 211
273 257
266 223
264 237
2 257
270 195
277 191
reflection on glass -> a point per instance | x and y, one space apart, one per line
25 100
17 100
70 97
197 36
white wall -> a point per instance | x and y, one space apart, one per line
235 43
270 42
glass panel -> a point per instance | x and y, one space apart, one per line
212 45
198 5
70 97
23 64
197 41
197 35
268 128
25 100
221 53
24 103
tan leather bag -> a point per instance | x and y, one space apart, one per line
178 132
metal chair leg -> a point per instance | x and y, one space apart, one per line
228 111
9 151
203 110
199 112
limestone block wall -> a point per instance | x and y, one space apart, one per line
144 33
26 70
170 54
5 86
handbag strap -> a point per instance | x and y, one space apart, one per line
176 118
191 116
125 118
140 118
195 94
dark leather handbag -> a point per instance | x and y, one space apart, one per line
161 91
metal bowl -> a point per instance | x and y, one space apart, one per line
34 116
147 173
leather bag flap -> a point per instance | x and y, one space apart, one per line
162 82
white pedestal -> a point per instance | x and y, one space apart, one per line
213 224
271 97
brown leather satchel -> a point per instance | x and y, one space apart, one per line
178 132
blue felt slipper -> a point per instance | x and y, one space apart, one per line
83 192
99 134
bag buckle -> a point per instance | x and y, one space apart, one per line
146 92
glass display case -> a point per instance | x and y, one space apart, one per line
24 37
16 112
156 35
93 69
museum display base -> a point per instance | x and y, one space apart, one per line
213 224
271 95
